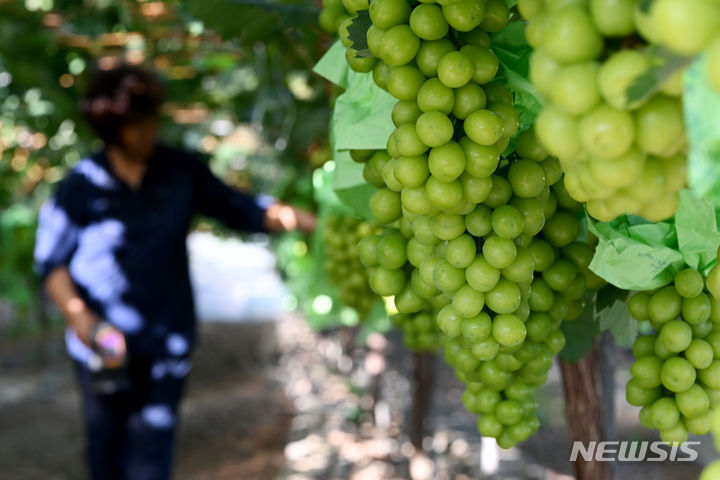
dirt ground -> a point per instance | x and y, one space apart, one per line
274 400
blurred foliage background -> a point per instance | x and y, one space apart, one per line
239 86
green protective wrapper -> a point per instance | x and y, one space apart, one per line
701 103
333 66
635 254
362 120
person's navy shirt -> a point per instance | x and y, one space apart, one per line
125 248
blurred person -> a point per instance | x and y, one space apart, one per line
111 251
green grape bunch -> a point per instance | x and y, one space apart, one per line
342 261
621 153
479 238
676 372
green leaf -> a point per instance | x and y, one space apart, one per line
333 66
579 333
608 295
357 33
350 186
650 82
617 319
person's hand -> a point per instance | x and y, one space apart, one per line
109 343
280 218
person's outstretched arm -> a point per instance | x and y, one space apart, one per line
280 218
241 211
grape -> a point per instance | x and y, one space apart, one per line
681 355
427 22
610 144
473 243
455 69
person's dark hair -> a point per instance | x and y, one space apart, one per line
118 96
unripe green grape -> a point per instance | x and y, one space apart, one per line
448 278
404 82
497 16
675 435
357 63
386 282
507 222
499 252
385 14
461 251
464 15
539 326
476 190
677 374
468 98
527 178
455 69
613 18
408 142
482 276
411 171
606 132
693 401
560 229
479 222
405 112
660 126
385 206
560 274
427 22
575 89
449 321
618 172
485 63
529 8
444 195
478 328
696 310
510 119
447 161
699 425
686 26
416 201
618 73
488 425
570 36
503 298
543 254
639 397
407 301
388 176
533 215
664 305
468 302
374 37
434 129
392 253
646 371
638 306
430 53
542 71
521 270
433 95
398 46
480 160
498 93
557 132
